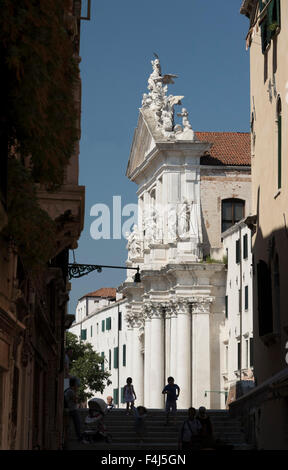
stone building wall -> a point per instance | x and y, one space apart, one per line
218 184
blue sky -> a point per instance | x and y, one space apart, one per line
203 42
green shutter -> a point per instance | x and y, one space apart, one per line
115 396
124 354
103 325
119 321
270 23
103 358
116 358
108 323
91 331
226 306
83 335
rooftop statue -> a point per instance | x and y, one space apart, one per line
163 106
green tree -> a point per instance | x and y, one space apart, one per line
86 365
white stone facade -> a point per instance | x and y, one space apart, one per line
106 329
237 330
177 311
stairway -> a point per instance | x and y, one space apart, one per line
158 436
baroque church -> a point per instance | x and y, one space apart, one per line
192 186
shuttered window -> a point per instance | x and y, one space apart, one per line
83 335
251 352
270 23
246 298
245 246
120 321
103 325
116 361
102 364
237 251
122 395
226 306
108 323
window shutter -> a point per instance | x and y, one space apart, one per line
108 323
251 352
91 331
245 246
239 355
83 335
246 297
116 358
110 359
102 364
120 321
103 325
226 306
124 355
237 251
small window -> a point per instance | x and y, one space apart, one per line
246 298
271 22
120 321
122 395
251 352
238 251
226 306
239 301
108 323
232 212
102 363
83 335
91 331
245 246
239 355
103 325
116 358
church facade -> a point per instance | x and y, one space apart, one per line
192 186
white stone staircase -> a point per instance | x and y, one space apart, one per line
158 436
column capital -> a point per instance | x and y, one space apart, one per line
201 304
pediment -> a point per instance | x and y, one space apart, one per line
143 143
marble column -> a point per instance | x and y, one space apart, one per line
201 381
183 377
137 365
147 361
157 379
173 347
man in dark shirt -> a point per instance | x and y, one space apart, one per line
172 391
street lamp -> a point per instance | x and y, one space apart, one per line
76 270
